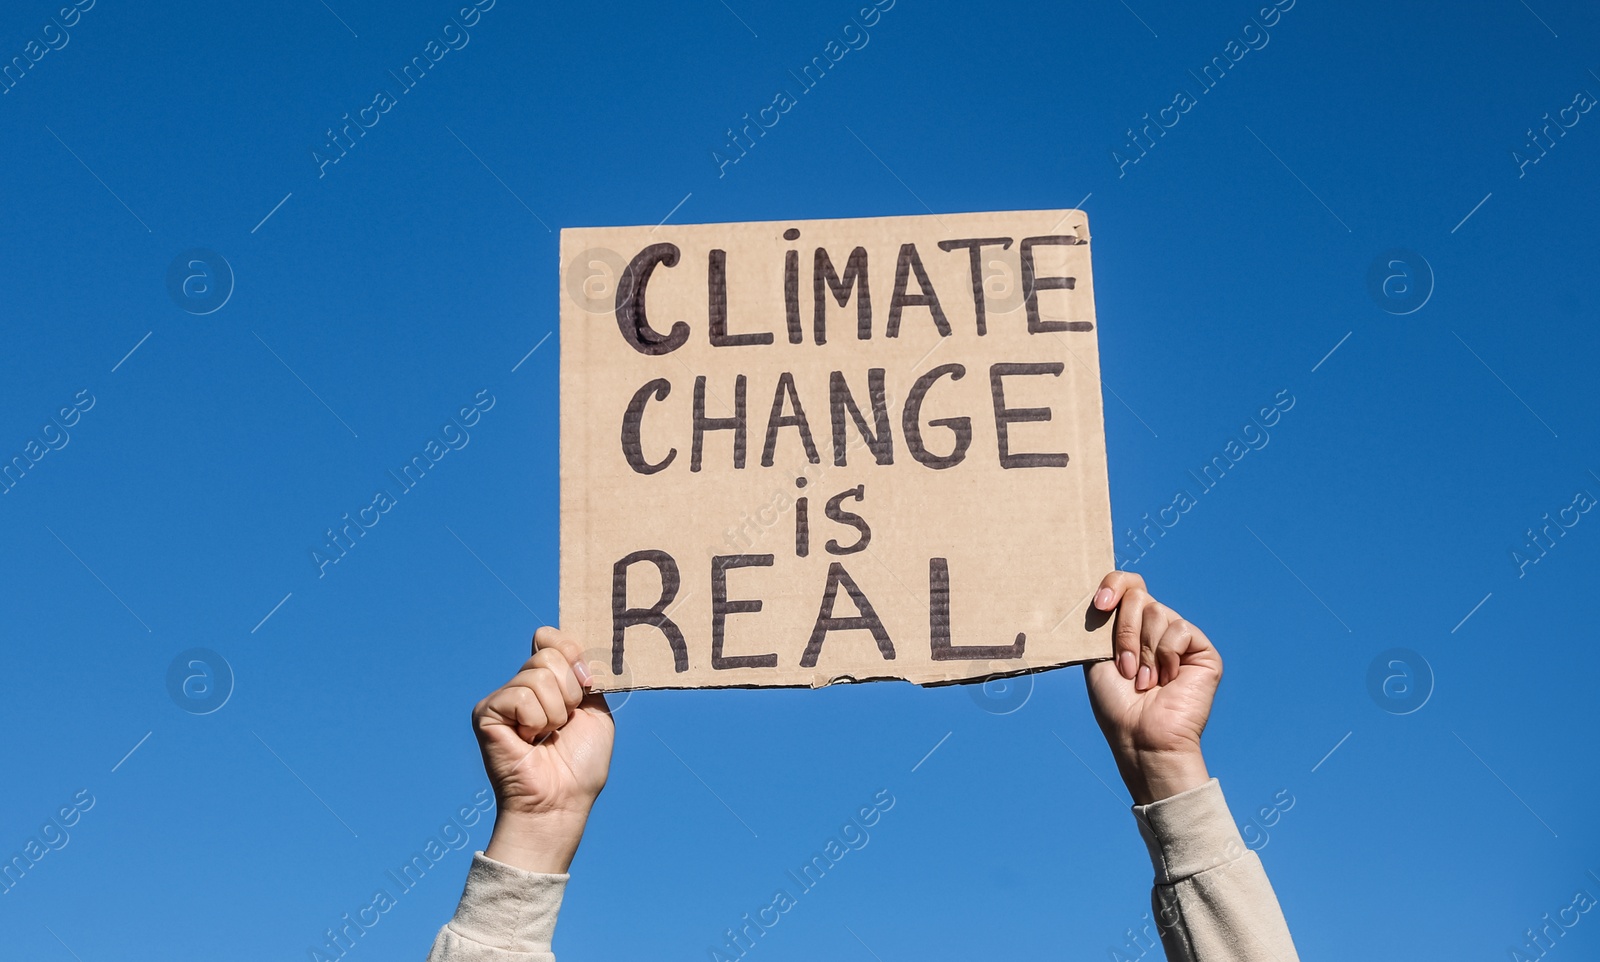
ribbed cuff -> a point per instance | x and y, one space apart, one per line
1189 832
507 908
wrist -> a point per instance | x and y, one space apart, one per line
1154 775
543 842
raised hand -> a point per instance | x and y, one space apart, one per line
546 746
1153 698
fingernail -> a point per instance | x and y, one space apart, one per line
581 669
1102 599
1143 681
1125 664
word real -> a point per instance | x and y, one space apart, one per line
453 836
1252 36
1540 541
853 837
53 837
453 36
1539 138
452 436
53 436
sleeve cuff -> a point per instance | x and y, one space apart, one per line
507 908
1189 832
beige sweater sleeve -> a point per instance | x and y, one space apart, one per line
505 915
1212 900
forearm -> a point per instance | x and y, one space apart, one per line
513 891
1153 775
1212 899
544 843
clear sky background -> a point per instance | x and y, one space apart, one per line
1232 263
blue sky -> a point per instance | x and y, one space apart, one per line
199 457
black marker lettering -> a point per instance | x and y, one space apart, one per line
702 424
632 449
623 617
839 400
717 306
823 280
1032 285
909 261
911 421
802 528
975 246
939 623
631 320
777 419
721 608
836 513
1004 416
791 295
826 622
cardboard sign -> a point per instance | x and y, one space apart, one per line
803 452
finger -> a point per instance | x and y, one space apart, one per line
1125 636
1170 649
1200 651
515 707
548 637
1113 586
552 661
548 690
1154 621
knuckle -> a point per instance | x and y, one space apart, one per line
549 688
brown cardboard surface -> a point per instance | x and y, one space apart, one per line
685 572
